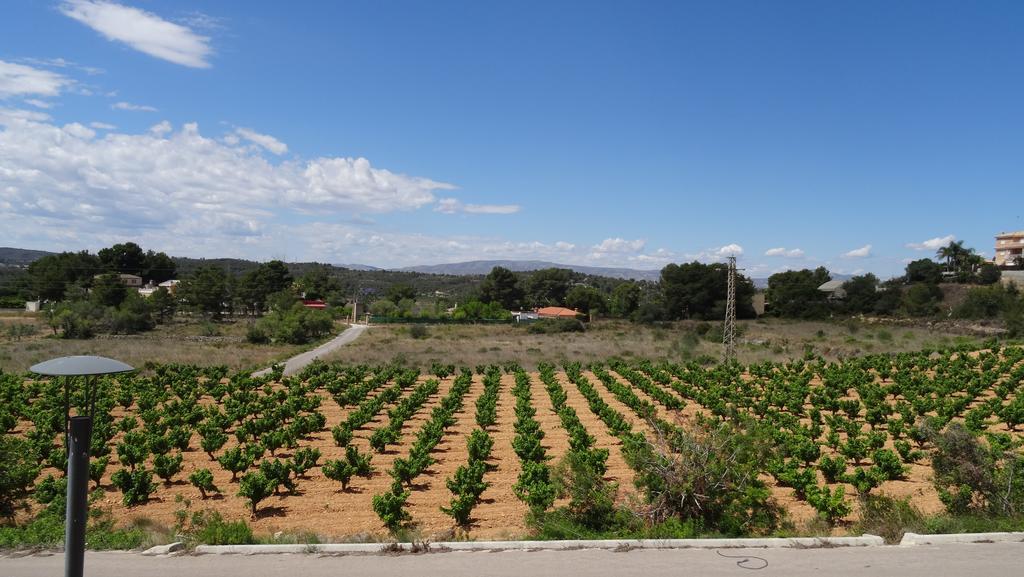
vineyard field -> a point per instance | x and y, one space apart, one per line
475 446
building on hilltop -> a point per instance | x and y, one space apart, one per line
1009 249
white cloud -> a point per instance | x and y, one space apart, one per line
453 205
15 114
173 184
265 140
143 31
39 103
78 131
21 80
790 253
728 250
102 126
132 107
63 63
491 208
161 128
932 243
448 206
334 242
620 245
862 252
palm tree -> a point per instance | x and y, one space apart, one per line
952 253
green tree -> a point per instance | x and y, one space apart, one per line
396 293
206 290
502 286
625 299
989 274
697 290
319 283
921 300
50 276
587 300
795 294
383 307
924 270
548 287
163 304
125 258
861 294
108 291
255 286
158 267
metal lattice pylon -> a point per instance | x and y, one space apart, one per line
729 331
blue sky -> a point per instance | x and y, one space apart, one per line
855 135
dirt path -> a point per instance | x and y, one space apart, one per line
299 362
500 514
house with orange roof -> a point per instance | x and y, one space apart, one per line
557 313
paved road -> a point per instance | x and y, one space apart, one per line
977 560
299 362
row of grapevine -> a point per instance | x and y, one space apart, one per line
534 486
467 483
390 505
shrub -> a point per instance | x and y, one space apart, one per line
167 467
591 498
97 467
296 325
339 470
390 507
209 528
305 459
18 469
256 334
554 326
973 478
830 505
889 518
707 473
202 479
418 331
136 485
833 468
888 465
255 487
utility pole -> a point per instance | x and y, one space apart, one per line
729 331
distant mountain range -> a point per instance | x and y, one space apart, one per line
356 266
19 257
482 267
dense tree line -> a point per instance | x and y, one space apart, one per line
916 293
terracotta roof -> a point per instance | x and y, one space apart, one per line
557 312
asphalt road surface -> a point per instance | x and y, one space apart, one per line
299 362
973 560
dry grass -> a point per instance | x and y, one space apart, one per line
166 344
760 340
471 345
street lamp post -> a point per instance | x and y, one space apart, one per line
77 442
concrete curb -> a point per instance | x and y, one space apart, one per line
609 544
910 539
164 549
